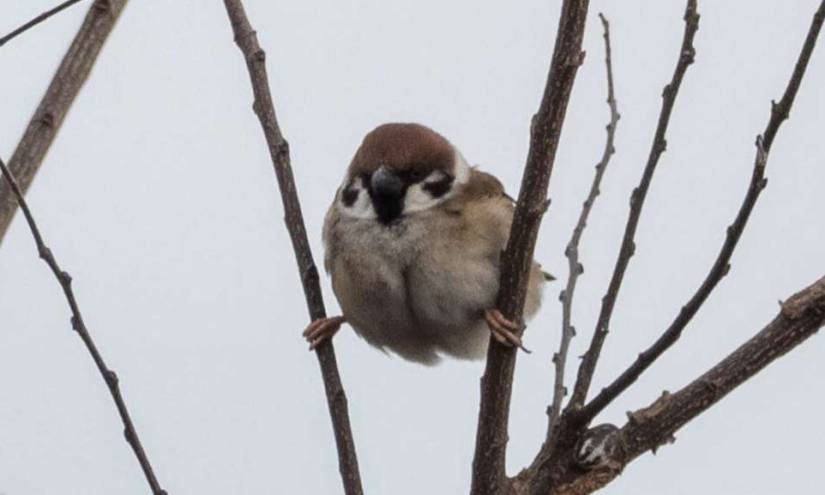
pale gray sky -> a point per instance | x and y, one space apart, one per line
159 197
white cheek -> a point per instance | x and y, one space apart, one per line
462 169
418 199
362 208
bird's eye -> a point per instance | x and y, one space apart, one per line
415 175
439 187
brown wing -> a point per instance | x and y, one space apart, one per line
480 187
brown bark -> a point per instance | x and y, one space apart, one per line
648 428
489 475
73 71
264 108
578 460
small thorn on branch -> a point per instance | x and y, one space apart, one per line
112 379
575 267
627 249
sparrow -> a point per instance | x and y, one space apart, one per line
413 241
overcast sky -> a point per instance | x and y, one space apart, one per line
158 196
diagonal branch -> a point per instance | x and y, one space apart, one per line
653 426
637 199
489 475
79 326
720 268
247 41
37 20
73 71
575 267
800 317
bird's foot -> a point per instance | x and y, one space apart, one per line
503 330
322 329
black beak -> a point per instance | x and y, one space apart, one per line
386 183
387 193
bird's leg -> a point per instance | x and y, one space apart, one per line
322 329
503 330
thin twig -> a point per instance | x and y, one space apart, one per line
575 268
65 85
651 427
801 316
637 199
721 266
37 20
79 326
489 476
247 41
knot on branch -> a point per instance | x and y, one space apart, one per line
102 6
810 299
47 119
648 413
600 447
111 378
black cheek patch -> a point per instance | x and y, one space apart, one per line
348 196
440 187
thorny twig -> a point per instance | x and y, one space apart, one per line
721 266
575 267
637 199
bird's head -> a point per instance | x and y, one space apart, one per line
398 170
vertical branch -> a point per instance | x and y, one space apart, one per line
575 267
637 199
79 326
73 71
721 266
263 106
489 476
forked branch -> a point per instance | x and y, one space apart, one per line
264 108
648 428
108 375
489 476
637 199
800 317
721 266
575 268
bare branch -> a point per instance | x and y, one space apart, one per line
801 316
64 87
79 326
489 476
651 427
628 247
247 41
575 267
37 20
721 266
